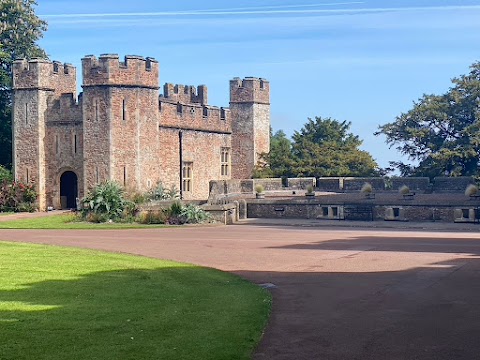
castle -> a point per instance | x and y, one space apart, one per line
122 129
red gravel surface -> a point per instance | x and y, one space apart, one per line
341 293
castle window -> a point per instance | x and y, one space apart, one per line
97 175
56 144
124 176
262 84
205 112
55 67
179 108
222 113
187 176
28 176
74 144
96 110
225 161
124 110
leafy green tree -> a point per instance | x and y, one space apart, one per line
278 162
441 132
20 28
325 147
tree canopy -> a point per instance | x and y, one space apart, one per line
322 147
441 132
20 28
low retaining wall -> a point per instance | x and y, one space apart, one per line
312 209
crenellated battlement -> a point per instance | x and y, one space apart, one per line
194 116
107 70
249 90
40 74
64 109
186 94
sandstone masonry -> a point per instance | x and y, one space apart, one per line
121 128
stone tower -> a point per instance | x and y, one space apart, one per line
250 111
120 109
36 83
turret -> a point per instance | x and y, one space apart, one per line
39 74
120 108
108 70
250 113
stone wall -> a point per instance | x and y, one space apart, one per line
97 116
355 184
417 184
452 184
185 94
108 70
330 184
301 183
29 131
193 116
305 209
271 184
250 111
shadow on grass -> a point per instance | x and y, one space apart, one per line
165 313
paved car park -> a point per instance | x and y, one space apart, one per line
344 292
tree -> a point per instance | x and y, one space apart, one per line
20 28
278 162
325 147
441 132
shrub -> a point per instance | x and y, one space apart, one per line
17 196
160 192
471 190
5 175
106 202
174 214
367 188
152 217
309 189
404 190
194 214
259 189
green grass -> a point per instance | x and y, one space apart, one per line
61 303
66 221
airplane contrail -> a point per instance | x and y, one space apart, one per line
263 12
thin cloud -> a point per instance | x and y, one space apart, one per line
266 12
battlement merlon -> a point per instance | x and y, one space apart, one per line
107 70
41 74
249 90
186 94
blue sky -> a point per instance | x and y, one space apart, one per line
361 61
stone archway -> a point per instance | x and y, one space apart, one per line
68 190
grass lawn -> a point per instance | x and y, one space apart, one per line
63 303
66 221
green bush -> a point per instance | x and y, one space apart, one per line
5 175
160 192
194 214
174 214
107 202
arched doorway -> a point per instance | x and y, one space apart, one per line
68 190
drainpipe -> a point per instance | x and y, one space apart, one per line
180 151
